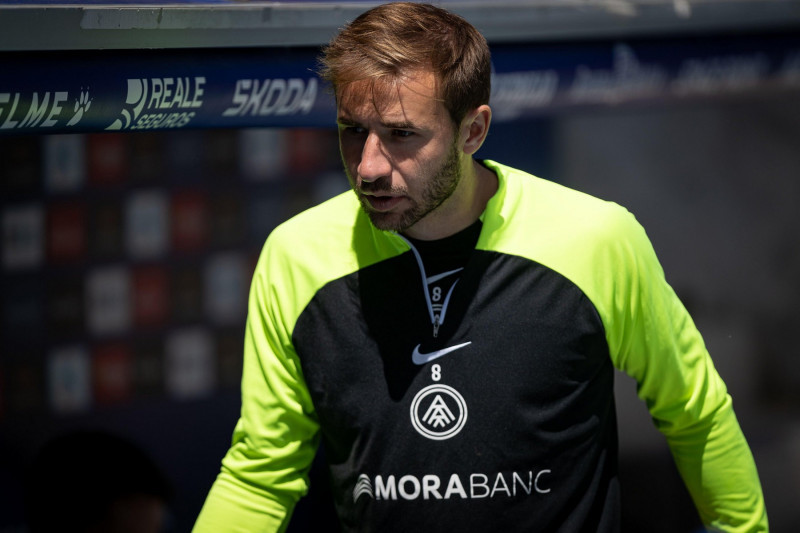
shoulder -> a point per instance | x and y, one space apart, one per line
538 218
330 219
316 240
596 244
301 256
326 242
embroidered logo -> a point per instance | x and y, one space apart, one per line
423 358
438 412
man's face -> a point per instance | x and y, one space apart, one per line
399 150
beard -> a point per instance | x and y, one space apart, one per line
437 189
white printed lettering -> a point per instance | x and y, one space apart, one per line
628 79
8 123
254 102
59 98
483 484
515 92
454 486
536 484
42 110
35 111
239 98
166 120
197 101
167 102
387 491
272 97
430 486
180 93
295 97
169 93
401 487
500 480
156 92
516 478
714 74
275 94
436 372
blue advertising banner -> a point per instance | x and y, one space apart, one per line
160 89
534 79
131 90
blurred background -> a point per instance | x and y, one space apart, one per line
127 256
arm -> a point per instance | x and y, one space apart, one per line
265 471
654 340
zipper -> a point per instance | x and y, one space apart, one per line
436 319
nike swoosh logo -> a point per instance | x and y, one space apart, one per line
422 358
434 279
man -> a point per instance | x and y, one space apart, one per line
452 340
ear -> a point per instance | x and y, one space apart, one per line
474 128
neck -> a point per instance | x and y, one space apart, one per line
478 184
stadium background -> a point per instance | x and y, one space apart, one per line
126 256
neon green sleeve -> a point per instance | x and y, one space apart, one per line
653 339
265 472
601 248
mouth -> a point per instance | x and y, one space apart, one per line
382 202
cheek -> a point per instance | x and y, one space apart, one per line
423 169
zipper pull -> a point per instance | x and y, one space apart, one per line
436 326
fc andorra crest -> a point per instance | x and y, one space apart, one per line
438 412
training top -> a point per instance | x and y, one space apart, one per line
478 397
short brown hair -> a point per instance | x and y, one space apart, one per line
396 38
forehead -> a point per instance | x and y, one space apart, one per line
410 97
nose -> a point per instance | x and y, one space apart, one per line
374 162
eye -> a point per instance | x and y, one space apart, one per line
351 130
402 133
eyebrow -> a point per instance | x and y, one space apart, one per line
401 125
344 121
